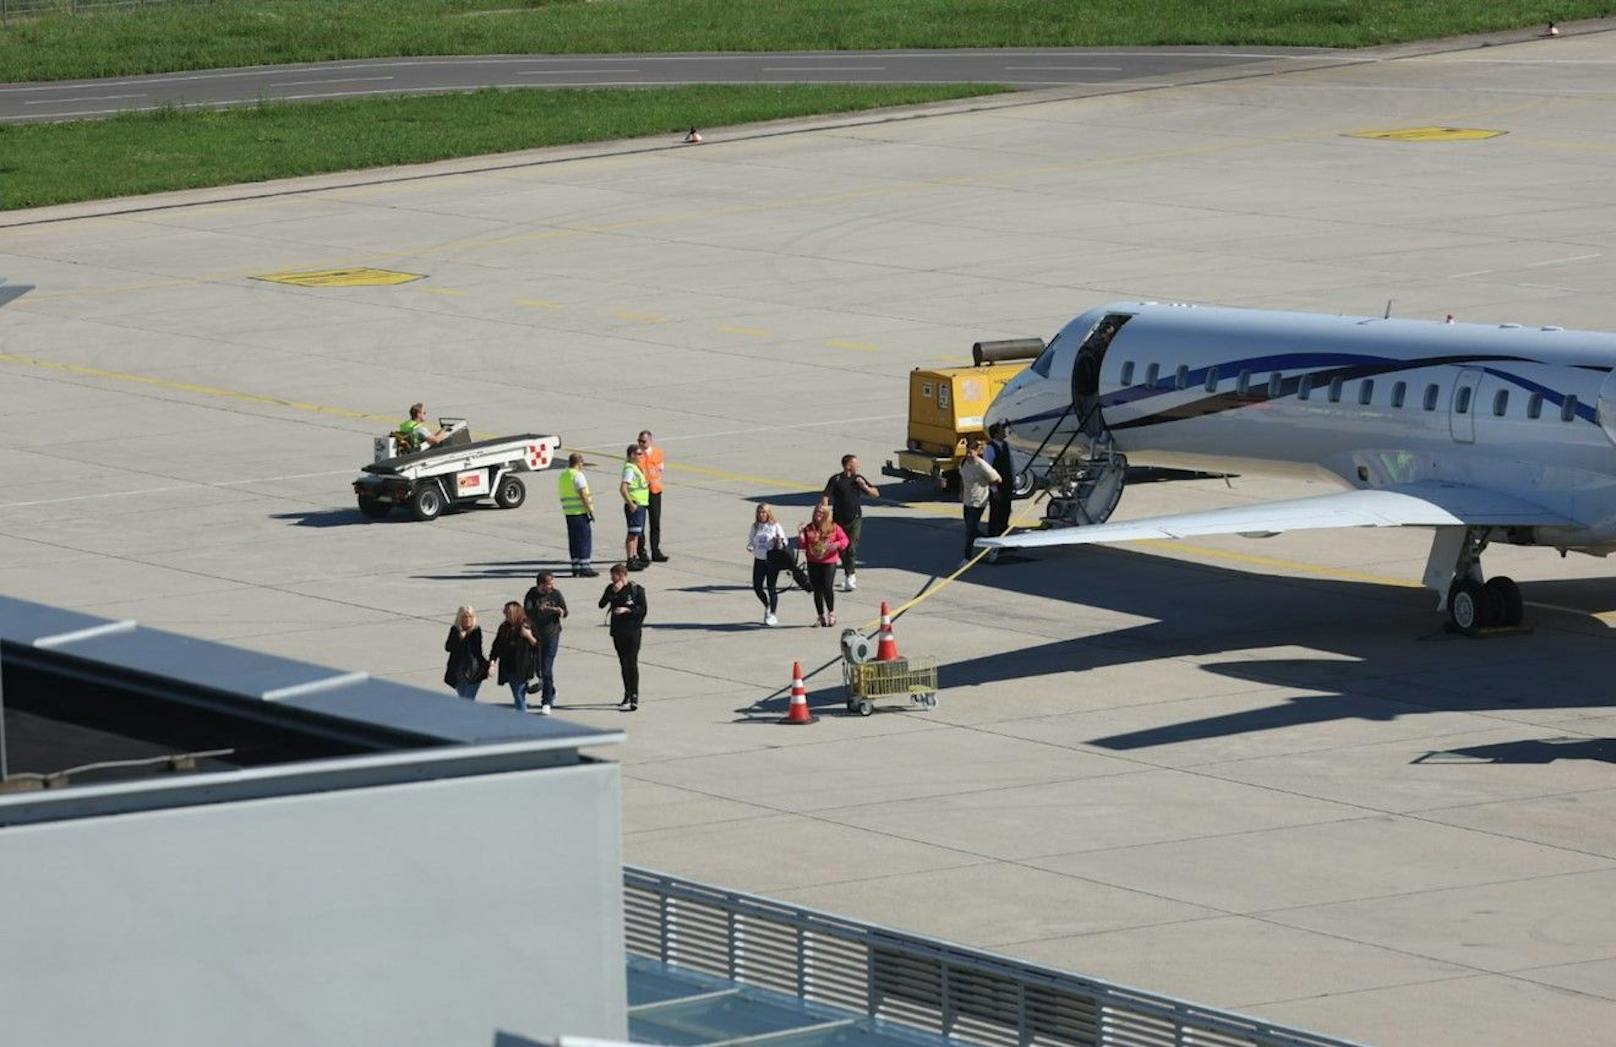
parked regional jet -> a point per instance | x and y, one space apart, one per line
1483 433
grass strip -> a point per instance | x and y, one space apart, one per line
136 153
161 37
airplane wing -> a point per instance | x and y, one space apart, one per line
1428 504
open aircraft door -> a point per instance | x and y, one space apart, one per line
1462 408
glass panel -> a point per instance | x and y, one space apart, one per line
1568 410
1183 376
1431 394
1304 388
1151 374
1366 392
1243 386
1127 373
1534 406
1211 379
1461 403
1399 390
1276 384
1500 402
1335 390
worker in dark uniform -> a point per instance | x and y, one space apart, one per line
998 456
846 491
625 601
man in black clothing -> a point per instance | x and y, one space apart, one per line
626 601
846 492
998 456
545 607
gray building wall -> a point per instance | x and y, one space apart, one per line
440 912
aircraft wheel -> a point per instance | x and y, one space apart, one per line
1026 483
374 509
1467 606
427 502
511 493
1507 596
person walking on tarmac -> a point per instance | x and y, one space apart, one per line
823 541
579 509
845 491
468 665
997 454
417 432
976 480
626 605
545 607
771 554
651 465
636 496
513 649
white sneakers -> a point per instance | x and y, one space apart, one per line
851 583
544 710
770 619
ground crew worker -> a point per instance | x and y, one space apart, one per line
998 456
651 463
636 497
417 431
579 509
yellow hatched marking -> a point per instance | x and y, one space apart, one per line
842 343
539 303
1429 134
358 277
453 292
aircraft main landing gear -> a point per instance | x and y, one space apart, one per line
1474 604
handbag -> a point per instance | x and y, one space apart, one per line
781 556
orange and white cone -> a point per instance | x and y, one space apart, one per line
887 649
798 712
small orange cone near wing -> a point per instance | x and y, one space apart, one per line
887 649
798 712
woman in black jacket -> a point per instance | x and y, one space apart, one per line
513 650
468 666
627 614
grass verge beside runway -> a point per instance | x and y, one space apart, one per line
137 153
174 36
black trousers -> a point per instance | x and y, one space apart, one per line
655 525
999 515
627 642
767 578
973 528
822 577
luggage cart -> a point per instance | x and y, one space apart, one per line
869 681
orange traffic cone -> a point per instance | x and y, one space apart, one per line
887 649
694 137
798 712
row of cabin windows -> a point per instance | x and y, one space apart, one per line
1366 391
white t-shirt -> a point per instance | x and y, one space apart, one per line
580 481
761 537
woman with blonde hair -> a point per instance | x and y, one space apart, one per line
513 649
771 554
468 666
822 540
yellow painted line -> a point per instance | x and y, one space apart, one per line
452 292
1429 134
640 318
360 276
539 303
750 332
191 387
842 343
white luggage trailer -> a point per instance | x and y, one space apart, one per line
458 471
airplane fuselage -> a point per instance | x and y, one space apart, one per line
1370 402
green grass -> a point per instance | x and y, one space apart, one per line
216 33
52 163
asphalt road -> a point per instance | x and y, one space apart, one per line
1026 69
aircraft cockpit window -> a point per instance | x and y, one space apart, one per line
1461 403
1568 410
1431 395
1182 379
1152 373
1534 406
1304 388
1335 390
1366 392
1501 402
1399 391
1211 379
1040 366
1127 373
1276 385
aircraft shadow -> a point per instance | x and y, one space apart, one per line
1529 751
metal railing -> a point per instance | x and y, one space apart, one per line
919 982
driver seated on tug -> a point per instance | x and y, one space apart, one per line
416 434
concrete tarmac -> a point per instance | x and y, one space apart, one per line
1024 68
1251 773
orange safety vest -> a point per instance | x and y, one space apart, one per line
651 463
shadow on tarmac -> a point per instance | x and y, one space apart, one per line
1529 751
